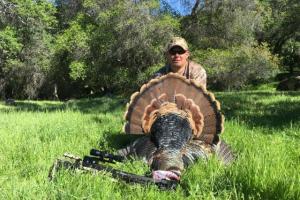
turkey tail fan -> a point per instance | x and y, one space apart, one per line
173 93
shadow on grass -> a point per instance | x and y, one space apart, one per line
258 109
104 104
35 107
116 141
277 110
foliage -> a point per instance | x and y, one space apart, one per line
9 43
128 40
68 65
223 24
108 44
282 30
262 128
26 32
237 67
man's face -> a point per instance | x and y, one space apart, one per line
177 57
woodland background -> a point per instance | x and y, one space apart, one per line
64 49
67 49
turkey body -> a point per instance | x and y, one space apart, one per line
169 148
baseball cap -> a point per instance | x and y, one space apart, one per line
177 41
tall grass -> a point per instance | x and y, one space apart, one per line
263 129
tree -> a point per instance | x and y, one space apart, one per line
282 30
74 47
222 24
26 45
130 38
109 45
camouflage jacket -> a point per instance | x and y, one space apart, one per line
192 71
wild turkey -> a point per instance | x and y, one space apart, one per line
181 122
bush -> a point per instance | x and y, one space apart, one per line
237 67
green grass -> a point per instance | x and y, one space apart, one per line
263 129
271 86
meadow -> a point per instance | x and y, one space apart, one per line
262 128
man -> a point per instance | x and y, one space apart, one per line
177 54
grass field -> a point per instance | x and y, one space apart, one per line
263 129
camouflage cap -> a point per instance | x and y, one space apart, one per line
177 41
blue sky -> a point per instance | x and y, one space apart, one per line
175 4
178 6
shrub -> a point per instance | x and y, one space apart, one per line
237 67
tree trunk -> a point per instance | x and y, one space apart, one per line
194 10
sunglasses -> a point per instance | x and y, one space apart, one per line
174 51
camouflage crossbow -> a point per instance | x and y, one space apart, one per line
95 162
181 123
